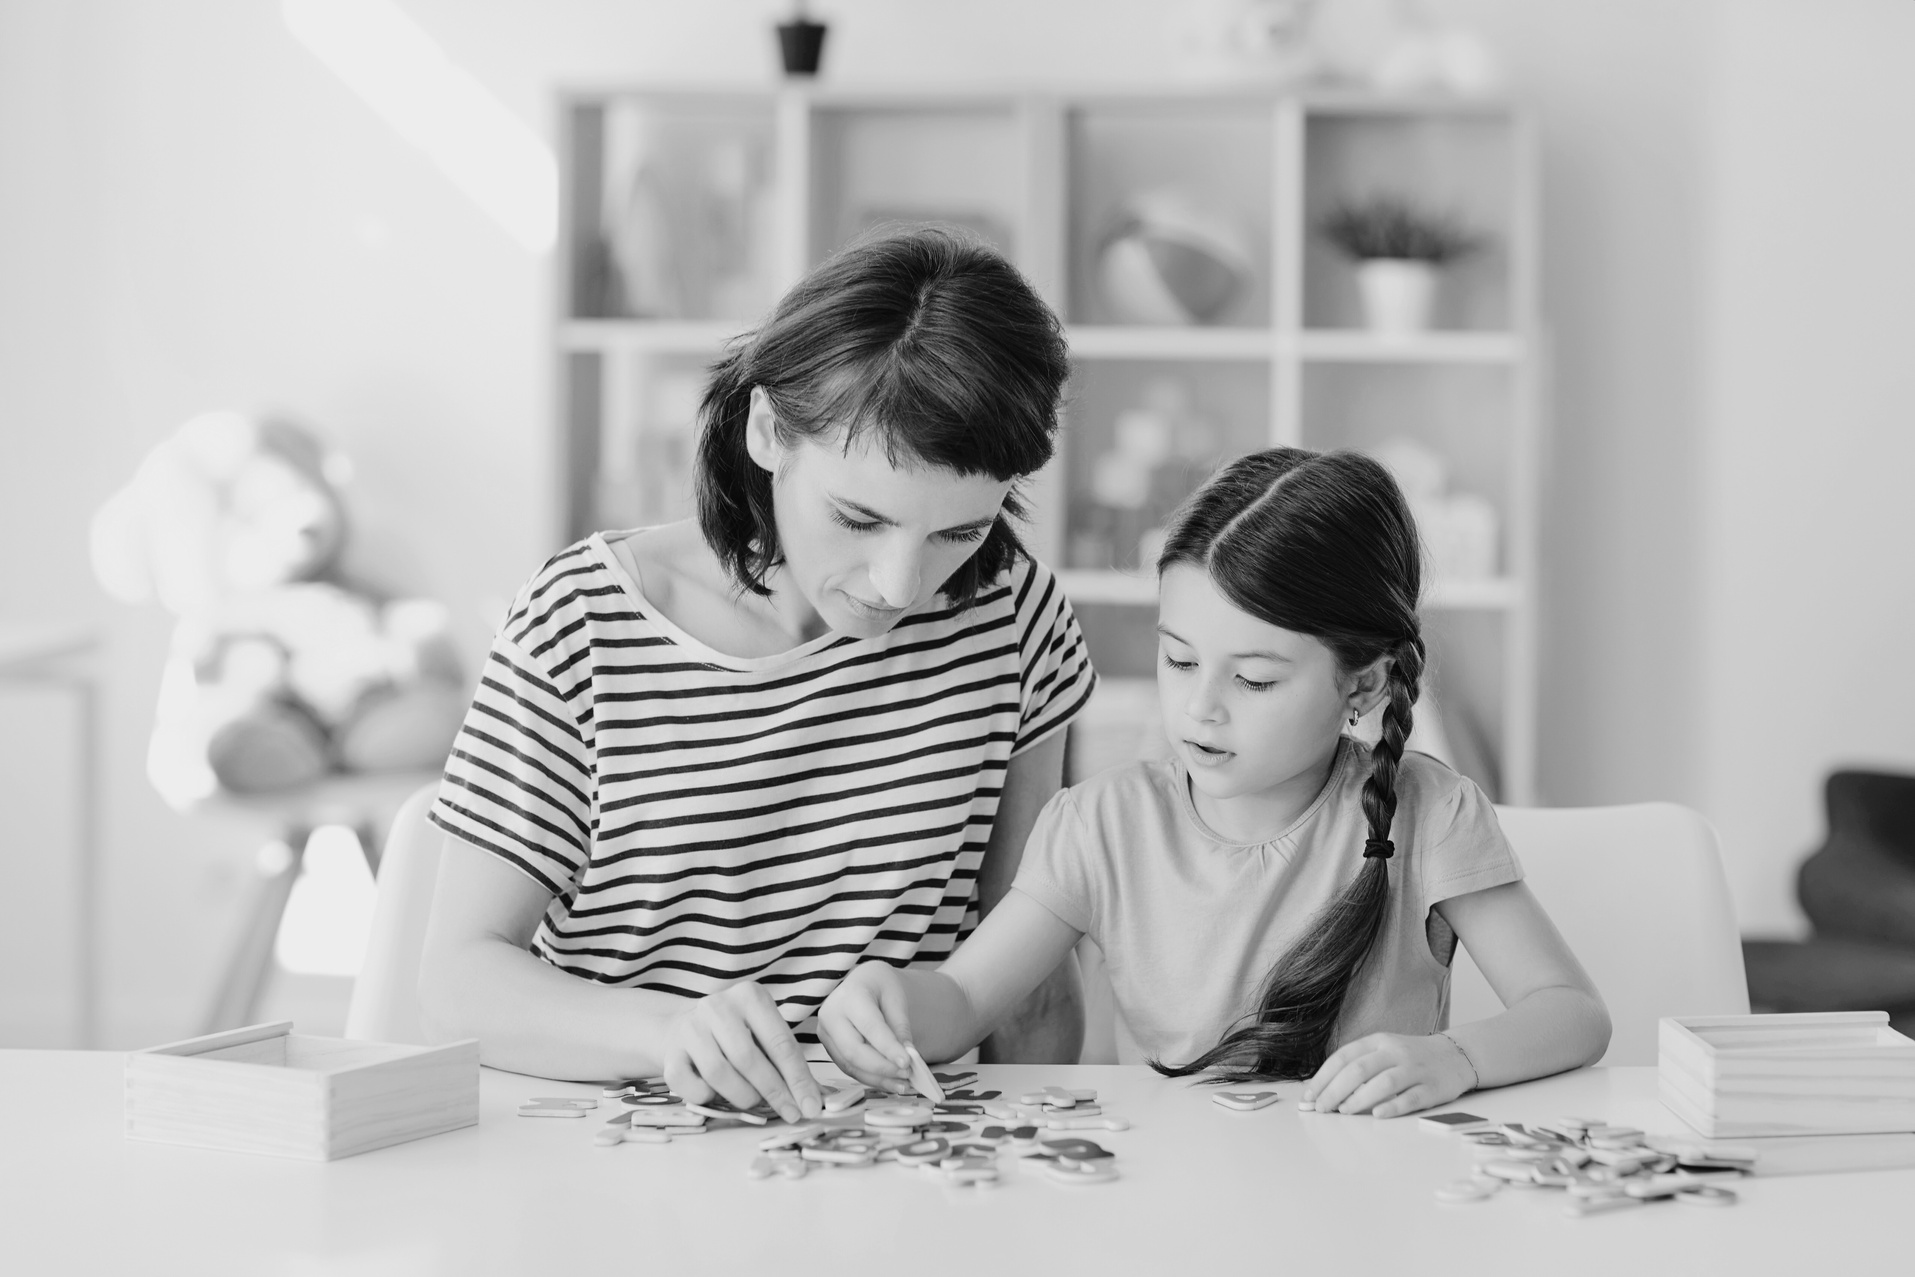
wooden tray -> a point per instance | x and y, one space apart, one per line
266 1089
1836 1073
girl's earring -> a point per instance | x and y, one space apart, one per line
1354 715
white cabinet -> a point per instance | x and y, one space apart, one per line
688 213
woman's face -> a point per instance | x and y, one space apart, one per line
866 541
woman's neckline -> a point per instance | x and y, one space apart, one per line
628 580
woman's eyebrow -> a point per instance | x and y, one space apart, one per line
889 522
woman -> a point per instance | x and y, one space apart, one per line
712 766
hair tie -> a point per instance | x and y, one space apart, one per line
1381 848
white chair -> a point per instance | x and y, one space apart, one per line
385 997
1640 895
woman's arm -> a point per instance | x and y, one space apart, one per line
878 1009
1048 1028
478 978
1553 1018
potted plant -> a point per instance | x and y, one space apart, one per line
801 42
1398 249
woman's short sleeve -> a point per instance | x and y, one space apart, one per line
518 782
1055 677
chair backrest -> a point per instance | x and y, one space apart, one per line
385 996
1640 895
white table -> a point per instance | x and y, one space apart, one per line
1274 1191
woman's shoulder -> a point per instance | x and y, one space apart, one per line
566 583
1027 584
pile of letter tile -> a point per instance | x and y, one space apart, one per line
1600 1167
954 1136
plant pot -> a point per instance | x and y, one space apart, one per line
1398 295
802 43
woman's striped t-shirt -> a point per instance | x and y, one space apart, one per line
703 819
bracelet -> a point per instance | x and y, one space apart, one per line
1475 1078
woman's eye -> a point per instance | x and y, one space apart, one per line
968 537
843 520
1254 686
1176 664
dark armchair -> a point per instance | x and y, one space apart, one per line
1858 890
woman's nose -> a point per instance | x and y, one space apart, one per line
897 574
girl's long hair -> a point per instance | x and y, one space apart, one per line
1320 544
927 339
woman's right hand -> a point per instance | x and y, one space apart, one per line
735 1044
866 1026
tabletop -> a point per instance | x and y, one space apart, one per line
1269 1190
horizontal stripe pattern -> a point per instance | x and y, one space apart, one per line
701 819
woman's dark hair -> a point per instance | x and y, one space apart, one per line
1321 544
927 338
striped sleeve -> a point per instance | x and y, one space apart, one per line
1055 675
519 780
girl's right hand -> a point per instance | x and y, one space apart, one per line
735 1044
866 1026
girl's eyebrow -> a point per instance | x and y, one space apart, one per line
1277 657
889 522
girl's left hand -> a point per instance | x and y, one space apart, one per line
1388 1074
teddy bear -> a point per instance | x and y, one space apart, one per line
281 670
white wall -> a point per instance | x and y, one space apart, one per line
193 213
1808 518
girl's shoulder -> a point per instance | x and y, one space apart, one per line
1431 796
1123 794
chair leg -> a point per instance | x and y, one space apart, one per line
250 961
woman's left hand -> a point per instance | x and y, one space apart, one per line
1388 1074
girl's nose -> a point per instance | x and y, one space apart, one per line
1204 705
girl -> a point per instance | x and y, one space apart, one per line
1276 900
711 766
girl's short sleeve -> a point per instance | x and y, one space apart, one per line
1461 845
518 782
1055 678
1056 870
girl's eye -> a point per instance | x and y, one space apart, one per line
843 520
1176 664
1251 685
970 536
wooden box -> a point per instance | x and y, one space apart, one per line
266 1089
1836 1073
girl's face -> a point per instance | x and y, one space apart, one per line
1254 710
866 541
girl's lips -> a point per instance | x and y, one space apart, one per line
1206 755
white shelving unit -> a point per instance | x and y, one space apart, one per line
687 213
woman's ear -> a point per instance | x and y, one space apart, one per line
761 432
1369 686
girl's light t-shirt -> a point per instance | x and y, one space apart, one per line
1190 922
702 819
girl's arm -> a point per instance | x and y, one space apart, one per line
1553 1018
478 978
1048 1027
878 1010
